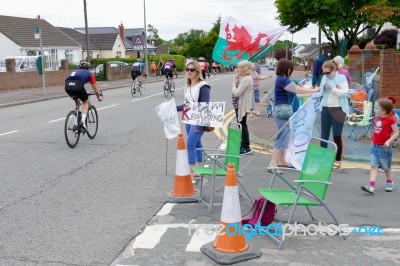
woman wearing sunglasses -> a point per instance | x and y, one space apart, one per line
334 106
197 90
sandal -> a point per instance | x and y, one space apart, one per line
337 164
274 170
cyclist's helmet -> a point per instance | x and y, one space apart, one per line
170 59
138 60
83 64
201 58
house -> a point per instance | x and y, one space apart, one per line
297 49
310 51
17 37
131 39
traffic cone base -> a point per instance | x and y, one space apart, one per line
226 258
183 187
230 247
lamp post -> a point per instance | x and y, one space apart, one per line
38 35
87 32
145 39
286 46
292 47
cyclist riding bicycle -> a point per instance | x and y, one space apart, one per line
75 87
203 66
137 70
168 70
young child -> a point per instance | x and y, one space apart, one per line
381 149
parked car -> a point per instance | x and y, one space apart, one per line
271 67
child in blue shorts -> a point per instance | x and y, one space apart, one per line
385 132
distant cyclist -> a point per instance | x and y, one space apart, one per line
75 86
203 66
168 70
137 70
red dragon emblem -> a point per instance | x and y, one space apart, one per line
242 41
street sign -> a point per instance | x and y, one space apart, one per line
138 41
37 33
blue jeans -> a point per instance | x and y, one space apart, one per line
381 155
283 137
194 134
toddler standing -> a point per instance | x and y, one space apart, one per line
381 149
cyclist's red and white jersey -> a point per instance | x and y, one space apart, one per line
214 64
203 65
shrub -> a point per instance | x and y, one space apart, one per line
386 39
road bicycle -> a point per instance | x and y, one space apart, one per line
137 86
73 131
169 87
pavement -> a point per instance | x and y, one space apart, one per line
158 244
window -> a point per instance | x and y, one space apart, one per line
118 55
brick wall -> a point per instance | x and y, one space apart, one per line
368 60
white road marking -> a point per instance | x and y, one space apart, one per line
166 209
59 119
150 237
161 93
2 134
105 107
201 236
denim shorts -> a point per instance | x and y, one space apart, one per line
283 137
382 156
257 96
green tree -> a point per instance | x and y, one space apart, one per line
152 34
338 18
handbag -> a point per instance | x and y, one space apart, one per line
283 111
252 217
209 129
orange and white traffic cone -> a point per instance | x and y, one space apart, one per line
230 245
183 188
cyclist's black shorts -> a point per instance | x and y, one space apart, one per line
76 88
168 73
135 74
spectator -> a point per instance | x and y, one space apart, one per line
317 66
385 132
284 87
197 90
256 87
340 62
153 68
334 105
242 87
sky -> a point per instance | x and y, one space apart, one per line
169 17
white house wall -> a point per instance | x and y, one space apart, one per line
9 48
118 47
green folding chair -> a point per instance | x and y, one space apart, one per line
311 187
218 167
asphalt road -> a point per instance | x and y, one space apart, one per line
103 203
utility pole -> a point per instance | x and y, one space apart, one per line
38 35
87 32
145 39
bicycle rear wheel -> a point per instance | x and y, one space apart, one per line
71 131
133 88
141 89
166 86
92 122
172 89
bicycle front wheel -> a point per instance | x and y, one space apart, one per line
92 122
166 85
172 89
71 131
133 88
141 89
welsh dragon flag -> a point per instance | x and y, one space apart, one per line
237 42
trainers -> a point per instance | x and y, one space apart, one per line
368 188
389 187
82 125
245 151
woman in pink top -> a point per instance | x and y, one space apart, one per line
340 62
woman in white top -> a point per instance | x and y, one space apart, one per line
334 106
197 90
244 90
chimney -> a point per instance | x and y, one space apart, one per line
313 40
38 16
122 31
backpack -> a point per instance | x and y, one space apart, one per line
268 216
